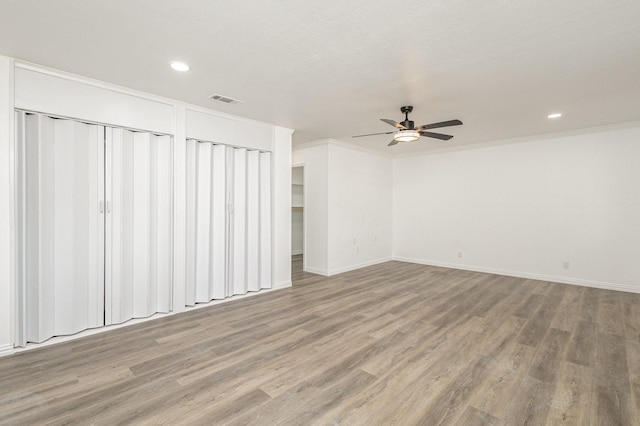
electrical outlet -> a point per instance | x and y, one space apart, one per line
459 255
565 264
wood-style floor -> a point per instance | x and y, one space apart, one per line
395 343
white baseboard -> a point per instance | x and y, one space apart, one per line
357 266
346 268
316 271
283 284
6 350
528 275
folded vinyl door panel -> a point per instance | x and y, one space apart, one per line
64 227
218 222
239 220
138 224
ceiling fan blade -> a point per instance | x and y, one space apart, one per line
372 134
393 123
436 135
393 142
440 124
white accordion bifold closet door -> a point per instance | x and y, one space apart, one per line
138 203
94 225
62 168
228 233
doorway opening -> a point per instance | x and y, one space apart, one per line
297 221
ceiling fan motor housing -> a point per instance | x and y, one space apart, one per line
408 124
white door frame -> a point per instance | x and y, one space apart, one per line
304 213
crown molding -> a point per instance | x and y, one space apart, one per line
343 144
531 138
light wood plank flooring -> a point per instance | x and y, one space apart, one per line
395 343
297 273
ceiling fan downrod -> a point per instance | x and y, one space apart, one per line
407 123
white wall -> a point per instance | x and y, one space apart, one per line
525 208
281 159
359 215
316 167
6 201
62 94
348 195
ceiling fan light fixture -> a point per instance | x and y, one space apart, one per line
406 136
406 132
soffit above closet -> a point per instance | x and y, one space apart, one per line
332 70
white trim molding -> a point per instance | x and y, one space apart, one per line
337 142
531 138
9 349
6 350
527 275
357 266
316 271
284 284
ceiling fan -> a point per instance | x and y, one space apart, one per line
407 132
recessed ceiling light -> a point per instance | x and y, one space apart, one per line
179 66
554 115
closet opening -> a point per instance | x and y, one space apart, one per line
94 217
297 221
228 218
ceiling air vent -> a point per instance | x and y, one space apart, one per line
225 99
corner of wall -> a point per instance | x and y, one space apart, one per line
282 204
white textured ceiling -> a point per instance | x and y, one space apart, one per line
332 69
